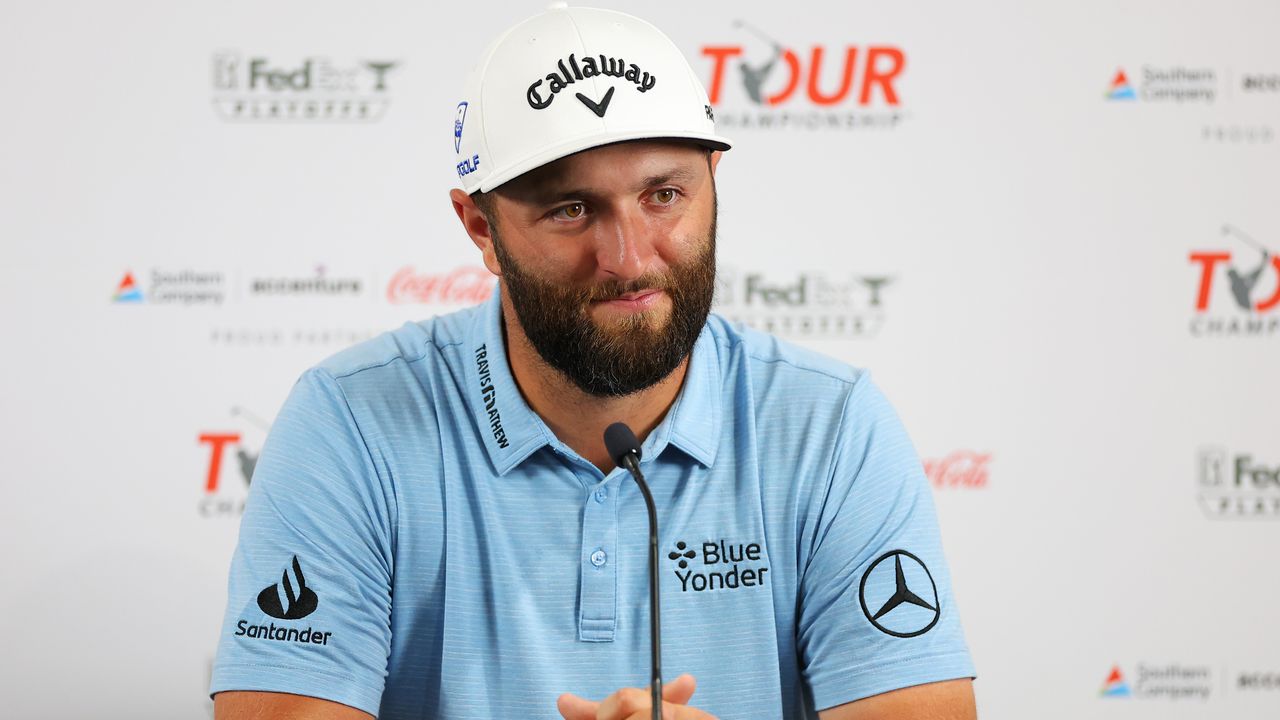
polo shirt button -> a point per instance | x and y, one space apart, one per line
602 495
598 558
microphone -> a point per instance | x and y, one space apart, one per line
624 448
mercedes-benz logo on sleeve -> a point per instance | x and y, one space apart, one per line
900 598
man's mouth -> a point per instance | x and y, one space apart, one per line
633 301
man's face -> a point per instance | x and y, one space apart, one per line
607 258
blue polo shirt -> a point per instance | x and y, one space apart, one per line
418 544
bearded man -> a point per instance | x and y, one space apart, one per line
436 529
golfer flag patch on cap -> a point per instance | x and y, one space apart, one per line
570 79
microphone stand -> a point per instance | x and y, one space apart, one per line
625 450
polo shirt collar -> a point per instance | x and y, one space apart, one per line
511 431
693 423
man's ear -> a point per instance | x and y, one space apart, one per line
477 227
715 160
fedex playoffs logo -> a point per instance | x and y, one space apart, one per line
1238 288
821 76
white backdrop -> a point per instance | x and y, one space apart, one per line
1033 254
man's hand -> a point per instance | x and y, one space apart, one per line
634 704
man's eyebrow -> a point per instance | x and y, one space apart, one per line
675 174
550 193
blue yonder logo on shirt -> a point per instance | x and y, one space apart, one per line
724 566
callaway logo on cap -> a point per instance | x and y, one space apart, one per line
572 79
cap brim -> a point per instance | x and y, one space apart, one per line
594 140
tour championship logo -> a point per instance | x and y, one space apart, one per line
805 304
1174 84
1237 289
959 470
462 286
759 82
718 565
167 286
1237 485
230 458
1168 682
260 88
289 599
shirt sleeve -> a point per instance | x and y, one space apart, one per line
309 597
876 608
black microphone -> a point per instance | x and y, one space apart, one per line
625 451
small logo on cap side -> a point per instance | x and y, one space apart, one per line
457 126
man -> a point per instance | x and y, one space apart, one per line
435 529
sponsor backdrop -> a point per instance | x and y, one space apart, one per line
1049 230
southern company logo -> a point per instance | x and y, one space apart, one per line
173 287
1160 682
1237 485
724 566
1253 283
1175 84
804 305
765 84
310 89
289 599
900 597
1115 686
1120 88
128 291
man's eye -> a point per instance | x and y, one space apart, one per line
572 212
665 197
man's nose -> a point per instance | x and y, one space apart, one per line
625 245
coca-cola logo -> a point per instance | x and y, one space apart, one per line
961 469
460 286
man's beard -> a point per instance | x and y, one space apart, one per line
629 355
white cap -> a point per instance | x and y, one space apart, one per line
570 79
